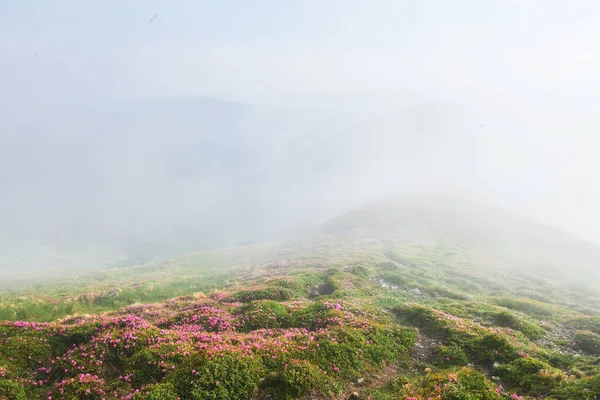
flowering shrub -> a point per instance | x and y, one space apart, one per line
200 348
82 386
290 336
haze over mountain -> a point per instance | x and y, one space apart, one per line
223 171
156 178
224 124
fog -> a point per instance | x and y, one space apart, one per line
206 124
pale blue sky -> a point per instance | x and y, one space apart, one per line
449 49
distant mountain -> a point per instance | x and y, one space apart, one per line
166 176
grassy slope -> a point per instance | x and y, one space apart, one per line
314 315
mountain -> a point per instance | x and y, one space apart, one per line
453 223
157 178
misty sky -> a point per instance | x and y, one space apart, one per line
528 68
444 49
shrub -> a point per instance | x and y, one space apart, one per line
387 266
270 293
509 320
312 317
360 271
158 391
297 379
397 278
490 348
440 291
530 307
585 323
10 390
145 367
388 344
463 384
226 376
530 375
25 342
452 355
64 339
90 386
423 318
334 357
557 359
587 388
264 314
403 259
587 341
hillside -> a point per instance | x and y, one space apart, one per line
371 305
447 222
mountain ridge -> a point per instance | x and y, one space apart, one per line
453 222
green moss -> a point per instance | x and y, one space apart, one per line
557 359
299 284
